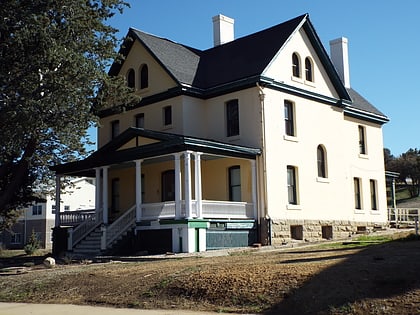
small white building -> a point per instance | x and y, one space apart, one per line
257 139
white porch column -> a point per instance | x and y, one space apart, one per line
178 189
254 187
138 191
187 184
105 194
198 186
57 200
98 201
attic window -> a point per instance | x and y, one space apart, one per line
296 65
309 76
144 77
131 78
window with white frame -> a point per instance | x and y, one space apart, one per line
373 194
292 185
232 118
15 238
357 193
309 75
296 65
321 161
362 140
36 209
289 118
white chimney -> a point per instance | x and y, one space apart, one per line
340 58
223 31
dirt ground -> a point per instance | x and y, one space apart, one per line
377 279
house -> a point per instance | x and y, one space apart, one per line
259 139
78 203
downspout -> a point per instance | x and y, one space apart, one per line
264 161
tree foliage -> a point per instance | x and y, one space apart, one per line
54 56
408 166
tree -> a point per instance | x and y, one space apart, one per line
408 165
53 55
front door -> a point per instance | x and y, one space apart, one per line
168 185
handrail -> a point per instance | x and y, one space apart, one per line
83 229
121 225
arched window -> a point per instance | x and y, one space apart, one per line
131 78
309 75
322 161
296 65
144 77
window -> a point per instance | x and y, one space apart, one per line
357 193
144 77
66 208
373 195
362 140
235 183
168 185
143 190
15 238
131 78
115 128
296 65
115 195
167 115
321 159
291 185
139 121
36 209
232 118
309 76
289 118
53 207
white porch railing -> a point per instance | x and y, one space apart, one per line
76 217
403 216
120 226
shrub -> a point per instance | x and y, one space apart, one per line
33 244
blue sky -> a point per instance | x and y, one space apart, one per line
384 44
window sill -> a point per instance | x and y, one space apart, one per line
297 79
167 127
375 212
364 156
290 138
142 91
310 83
234 138
323 180
359 211
293 207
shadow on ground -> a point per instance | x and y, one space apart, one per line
378 271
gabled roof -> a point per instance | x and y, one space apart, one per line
168 143
236 64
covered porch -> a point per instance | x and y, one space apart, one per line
149 181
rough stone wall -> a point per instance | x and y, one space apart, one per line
312 229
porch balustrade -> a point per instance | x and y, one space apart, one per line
72 218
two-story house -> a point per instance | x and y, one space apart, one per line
257 139
77 203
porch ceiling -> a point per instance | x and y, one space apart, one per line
167 144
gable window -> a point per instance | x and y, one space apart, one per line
321 160
36 209
131 78
357 193
373 195
235 183
168 185
362 140
144 77
289 118
296 65
232 118
167 115
309 76
115 128
292 185
139 120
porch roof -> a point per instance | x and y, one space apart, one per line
166 143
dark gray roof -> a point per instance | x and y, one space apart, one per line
359 102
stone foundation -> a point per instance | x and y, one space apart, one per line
284 231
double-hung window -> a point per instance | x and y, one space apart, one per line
167 116
36 209
235 183
362 140
321 161
357 193
289 119
232 118
292 185
373 195
115 128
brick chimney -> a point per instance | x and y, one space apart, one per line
340 59
223 30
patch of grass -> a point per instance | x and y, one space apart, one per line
374 238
